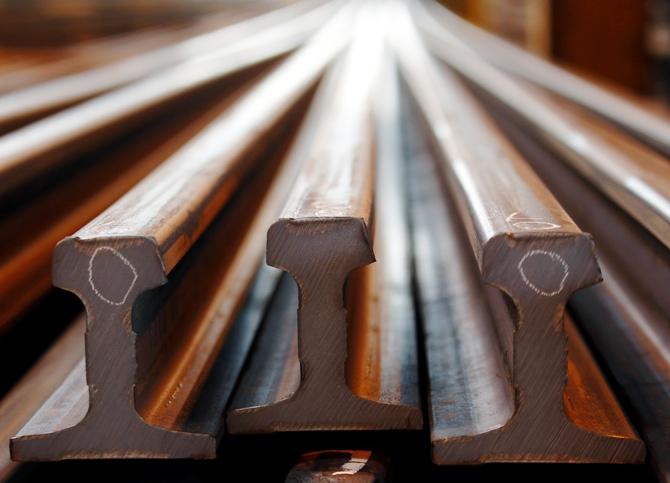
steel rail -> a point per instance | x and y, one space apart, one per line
649 268
623 317
36 386
527 248
442 24
68 89
49 141
465 361
163 343
357 358
640 189
29 233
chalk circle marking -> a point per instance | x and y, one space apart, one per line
529 223
125 261
554 257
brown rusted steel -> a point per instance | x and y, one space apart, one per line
354 466
465 360
532 257
631 116
18 406
642 170
648 269
45 143
47 96
357 366
29 232
273 371
158 400
640 188
625 317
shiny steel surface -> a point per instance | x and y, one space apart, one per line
527 247
642 190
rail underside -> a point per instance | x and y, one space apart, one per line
343 236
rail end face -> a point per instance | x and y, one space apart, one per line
293 245
320 253
93 415
538 267
107 271
539 273
360 466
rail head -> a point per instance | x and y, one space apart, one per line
335 186
323 235
640 189
508 213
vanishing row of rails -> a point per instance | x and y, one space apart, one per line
420 202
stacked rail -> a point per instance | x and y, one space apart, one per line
469 258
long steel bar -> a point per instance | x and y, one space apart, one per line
527 247
649 269
357 359
623 318
640 189
468 396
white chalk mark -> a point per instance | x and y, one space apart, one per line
124 260
529 223
351 467
553 256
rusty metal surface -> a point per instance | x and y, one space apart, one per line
625 317
32 228
17 407
641 189
526 246
647 125
49 141
349 377
637 253
422 266
164 342
354 466
472 395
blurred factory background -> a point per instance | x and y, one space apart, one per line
623 42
